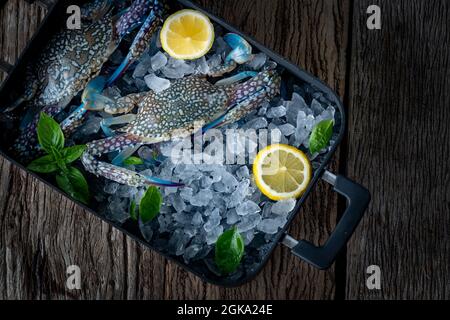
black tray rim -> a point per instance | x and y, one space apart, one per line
289 66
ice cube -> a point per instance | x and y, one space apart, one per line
202 66
177 202
243 173
191 252
146 153
249 222
190 231
186 193
327 114
126 191
141 85
213 221
221 47
155 83
143 66
92 126
211 237
177 69
111 187
206 182
146 230
276 112
263 109
256 123
214 61
294 106
232 217
316 107
158 61
301 131
257 61
239 194
248 236
202 198
247 208
178 241
229 181
197 219
283 207
271 226
118 210
287 129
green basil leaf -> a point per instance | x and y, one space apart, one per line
45 164
59 160
74 184
320 136
229 250
133 213
150 204
133 161
49 133
70 154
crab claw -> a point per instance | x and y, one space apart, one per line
241 50
91 100
241 53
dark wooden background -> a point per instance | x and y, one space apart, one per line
395 84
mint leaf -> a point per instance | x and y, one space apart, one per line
320 136
229 250
45 164
150 204
133 213
74 184
49 133
133 161
70 154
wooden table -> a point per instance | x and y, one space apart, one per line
394 82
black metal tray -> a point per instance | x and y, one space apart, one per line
357 196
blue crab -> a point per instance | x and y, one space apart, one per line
73 57
174 113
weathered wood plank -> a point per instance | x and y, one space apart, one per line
43 233
18 22
398 147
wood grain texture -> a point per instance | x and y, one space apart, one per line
18 22
398 147
42 232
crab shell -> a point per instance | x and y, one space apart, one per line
190 103
70 60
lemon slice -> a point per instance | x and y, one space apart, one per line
282 172
187 34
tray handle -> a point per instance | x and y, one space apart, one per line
358 199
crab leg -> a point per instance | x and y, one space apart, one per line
142 39
115 173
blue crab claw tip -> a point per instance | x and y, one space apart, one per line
163 183
242 50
